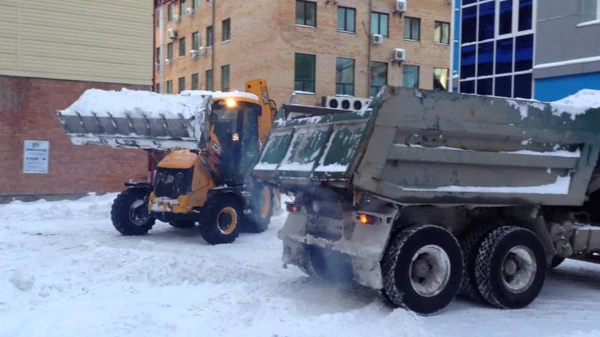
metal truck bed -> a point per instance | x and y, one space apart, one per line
435 147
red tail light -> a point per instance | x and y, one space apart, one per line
292 208
366 219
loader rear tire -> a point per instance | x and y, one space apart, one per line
261 206
422 269
510 267
221 219
129 212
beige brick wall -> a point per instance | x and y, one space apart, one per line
265 37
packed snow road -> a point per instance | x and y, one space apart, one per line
64 271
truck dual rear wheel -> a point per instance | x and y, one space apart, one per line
261 205
221 219
510 267
129 212
422 269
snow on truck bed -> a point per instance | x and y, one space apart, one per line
64 271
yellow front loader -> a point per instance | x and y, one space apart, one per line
213 140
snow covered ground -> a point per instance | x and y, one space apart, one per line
64 271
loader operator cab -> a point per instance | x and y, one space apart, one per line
234 124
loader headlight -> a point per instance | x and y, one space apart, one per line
230 103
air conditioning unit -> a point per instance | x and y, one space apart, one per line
377 39
193 53
168 62
172 33
344 102
176 18
399 54
401 6
190 11
201 50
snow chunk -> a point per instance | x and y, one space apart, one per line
22 280
137 103
577 104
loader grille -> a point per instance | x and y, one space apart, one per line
172 183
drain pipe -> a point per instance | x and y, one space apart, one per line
214 42
369 49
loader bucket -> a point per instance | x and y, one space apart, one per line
136 119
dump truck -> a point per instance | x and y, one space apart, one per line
425 195
212 140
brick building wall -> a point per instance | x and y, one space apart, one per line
28 112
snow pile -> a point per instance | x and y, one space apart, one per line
577 104
137 103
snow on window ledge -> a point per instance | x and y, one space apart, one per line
589 23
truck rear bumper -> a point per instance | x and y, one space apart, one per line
364 245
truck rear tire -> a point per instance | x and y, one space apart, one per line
221 219
261 205
510 267
470 246
129 212
422 269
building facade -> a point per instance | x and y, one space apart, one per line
313 48
495 47
52 51
567 51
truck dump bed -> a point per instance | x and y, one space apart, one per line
434 147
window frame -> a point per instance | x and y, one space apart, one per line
182 8
304 82
339 74
345 11
441 24
196 40
306 4
597 17
447 82
226 30
171 12
181 84
374 89
411 66
210 36
225 69
195 81
169 87
209 84
181 46
170 51
195 4
410 20
379 15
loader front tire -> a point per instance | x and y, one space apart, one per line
129 212
422 269
221 220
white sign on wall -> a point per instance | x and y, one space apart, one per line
35 156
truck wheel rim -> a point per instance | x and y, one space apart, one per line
518 269
266 197
429 270
134 213
227 220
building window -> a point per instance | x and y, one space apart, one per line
209 36
169 87
304 72
346 19
412 29
182 46
170 50
306 13
225 78
181 84
591 10
379 75
195 3
344 76
380 24
410 76
170 12
442 32
157 87
195 40
440 78
158 54
194 84
182 7
496 50
226 29
209 79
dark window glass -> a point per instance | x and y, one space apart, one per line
306 13
346 19
523 85
524 53
469 24
484 86
504 56
466 2
304 73
467 62
525 14
506 12
379 74
467 87
486 20
503 86
485 59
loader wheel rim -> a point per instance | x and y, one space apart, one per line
227 220
430 270
134 213
518 269
266 206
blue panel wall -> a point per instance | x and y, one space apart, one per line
555 88
456 39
